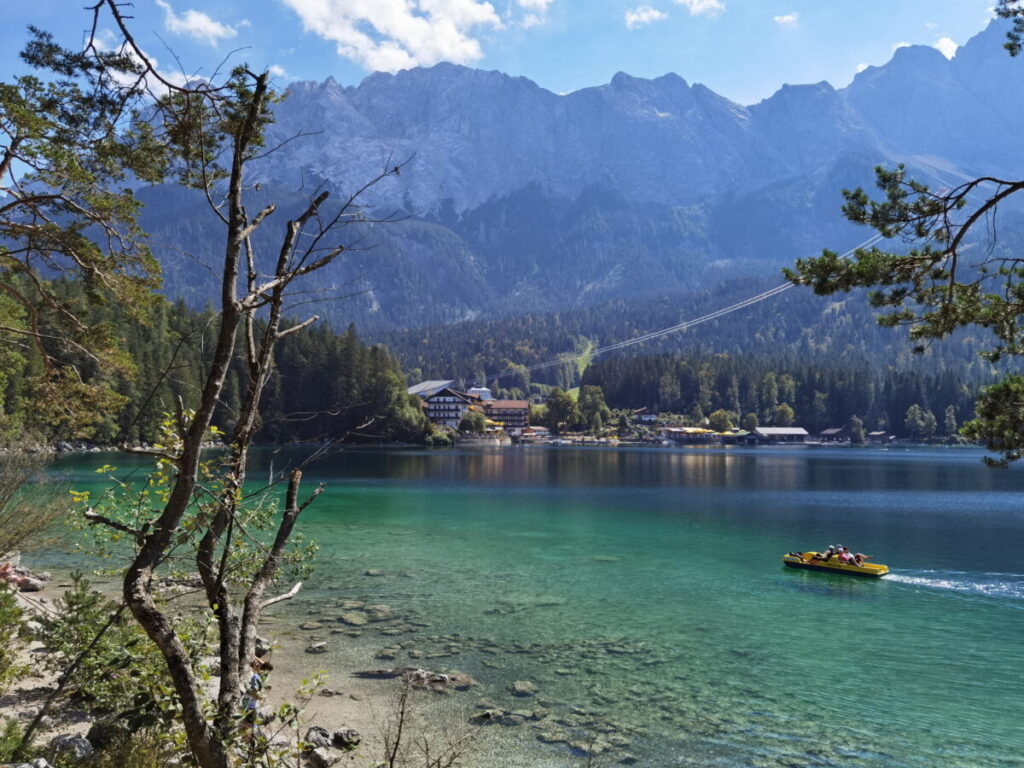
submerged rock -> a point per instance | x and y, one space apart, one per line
589 748
523 688
353 618
552 737
486 717
317 648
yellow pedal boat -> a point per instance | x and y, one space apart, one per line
806 561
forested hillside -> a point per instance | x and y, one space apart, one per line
786 390
324 386
795 325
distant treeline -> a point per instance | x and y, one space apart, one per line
821 394
838 331
827 361
325 385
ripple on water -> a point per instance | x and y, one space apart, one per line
997 585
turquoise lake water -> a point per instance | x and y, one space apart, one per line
642 592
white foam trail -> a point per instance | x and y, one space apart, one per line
1002 585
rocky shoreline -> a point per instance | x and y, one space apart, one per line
349 707
520 708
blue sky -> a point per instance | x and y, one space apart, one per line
743 49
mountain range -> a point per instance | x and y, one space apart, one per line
514 199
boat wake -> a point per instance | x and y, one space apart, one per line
1001 585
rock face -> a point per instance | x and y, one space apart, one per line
620 191
662 140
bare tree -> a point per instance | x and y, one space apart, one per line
215 131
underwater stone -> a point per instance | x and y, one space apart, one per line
523 688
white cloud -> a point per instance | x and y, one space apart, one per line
195 24
535 12
277 70
642 16
947 46
901 44
389 35
702 7
930 25
789 20
862 67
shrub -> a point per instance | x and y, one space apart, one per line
148 748
10 625
122 673
10 738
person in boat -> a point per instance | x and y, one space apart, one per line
828 554
847 557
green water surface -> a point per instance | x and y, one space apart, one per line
642 592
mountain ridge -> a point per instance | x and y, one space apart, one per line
516 199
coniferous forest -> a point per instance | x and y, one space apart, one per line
827 362
324 386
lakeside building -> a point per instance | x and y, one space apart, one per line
427 388
532 433
835 435
447 406
689 434
880 438
780 435
514 415
484 393
644 416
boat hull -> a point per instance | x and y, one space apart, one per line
868 570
